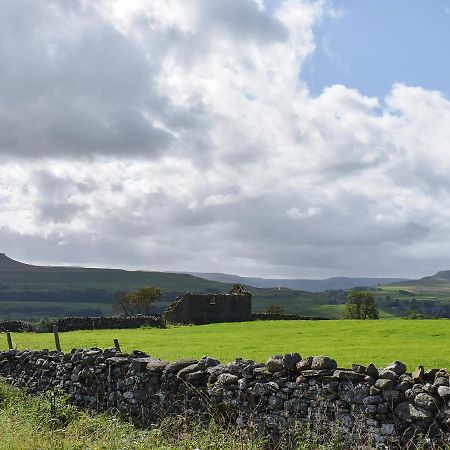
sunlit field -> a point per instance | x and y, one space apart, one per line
414 342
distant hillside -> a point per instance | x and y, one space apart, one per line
33 292
439 282
299 284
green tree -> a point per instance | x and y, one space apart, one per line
361 305
122 301
141 299
274 309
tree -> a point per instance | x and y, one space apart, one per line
141 299
274 309
361 305
122 302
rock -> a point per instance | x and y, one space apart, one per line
409 412
388 428
426 401
444 392
195 376
372 400
372 371
387 374
176 366
418 375
304 364
188 369
290 361
275 364
323 363
348 375
156 366
276 403
383 383
207 362
430 375
398 367
227 379
441 381
403 386
391 395
358 368
315 373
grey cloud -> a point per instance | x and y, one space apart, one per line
59 212
243 20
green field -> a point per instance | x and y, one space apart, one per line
414 342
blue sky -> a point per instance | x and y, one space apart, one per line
375 43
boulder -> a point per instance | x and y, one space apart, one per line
226 379
275 364
426 401
323 363
418 375
398 367
408 412
304 364
290 361
444 392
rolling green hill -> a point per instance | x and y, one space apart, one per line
429 295
33 292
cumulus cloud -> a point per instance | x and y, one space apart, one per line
180 135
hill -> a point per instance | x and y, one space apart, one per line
428 295
33 292
299 284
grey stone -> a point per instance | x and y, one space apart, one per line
391 395
383 383
398 367
426 401
408 412
348 375
323 363
226 379
156 365
275 402
444 392
372 400
372 371
275 364
290 360
387 374
418 375
304 364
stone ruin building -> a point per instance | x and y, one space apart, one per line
200 308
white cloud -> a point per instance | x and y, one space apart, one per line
180 135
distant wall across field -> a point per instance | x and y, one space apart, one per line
84 323
387 405
283 316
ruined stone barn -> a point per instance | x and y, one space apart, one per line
200 308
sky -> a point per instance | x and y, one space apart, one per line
281 138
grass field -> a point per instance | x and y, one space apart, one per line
414 342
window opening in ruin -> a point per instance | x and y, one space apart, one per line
212 300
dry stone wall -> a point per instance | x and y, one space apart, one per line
84 323
388 405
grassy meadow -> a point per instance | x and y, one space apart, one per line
414 342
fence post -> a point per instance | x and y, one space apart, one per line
8 338
56 334
116 345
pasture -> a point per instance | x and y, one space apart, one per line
414 342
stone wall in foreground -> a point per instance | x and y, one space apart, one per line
387 404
